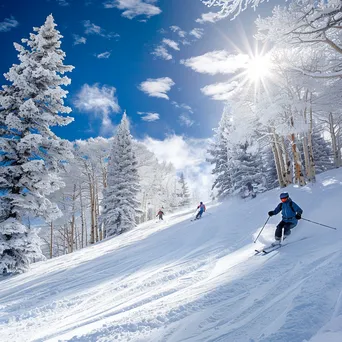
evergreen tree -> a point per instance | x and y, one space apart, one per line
120 205
269 168
221 157
30 153
184 194
247 175
323 154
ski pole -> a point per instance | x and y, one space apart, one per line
261 230
320 224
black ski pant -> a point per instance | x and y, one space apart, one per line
287 229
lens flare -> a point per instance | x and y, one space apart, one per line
258 68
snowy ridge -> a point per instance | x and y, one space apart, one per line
192 281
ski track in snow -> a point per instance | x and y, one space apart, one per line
192 281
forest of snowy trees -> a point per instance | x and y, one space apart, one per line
77 192
285 126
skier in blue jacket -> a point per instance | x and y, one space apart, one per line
291 213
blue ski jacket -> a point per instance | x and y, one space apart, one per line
288 209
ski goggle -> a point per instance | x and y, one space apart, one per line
284 199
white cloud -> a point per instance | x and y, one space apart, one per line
91 28
171 43
103 55
100 101
185 120
162 31
178 30
185 42
62 3
197 33
210 17
220 91
134 8
79 40
148 116
161 51
188 156
8 24
217 62
182 106
157 87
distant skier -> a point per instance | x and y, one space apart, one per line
202 209
160 214
250 190
291 213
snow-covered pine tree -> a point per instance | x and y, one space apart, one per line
30 153
269 168
184 195
221 157
120 206
323 152
247 171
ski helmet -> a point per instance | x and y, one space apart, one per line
284 195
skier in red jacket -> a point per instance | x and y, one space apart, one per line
202 209
160 214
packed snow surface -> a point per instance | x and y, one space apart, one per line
182 280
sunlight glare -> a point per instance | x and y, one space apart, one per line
258 68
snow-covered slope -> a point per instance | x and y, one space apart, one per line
192 281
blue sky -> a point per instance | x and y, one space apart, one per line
160 60
111 47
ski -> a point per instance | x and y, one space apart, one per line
274 246
269 248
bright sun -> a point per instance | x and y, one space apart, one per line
258 68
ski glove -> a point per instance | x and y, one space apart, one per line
298 216
270 213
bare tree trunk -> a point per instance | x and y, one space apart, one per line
82 216
311 153
66 239
92 217
280 156
306 142
77 237
306 157
278 167
97 211
288 171
90 175
299 177
338 138
92 208
334 140
104 173
72 231
51 239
